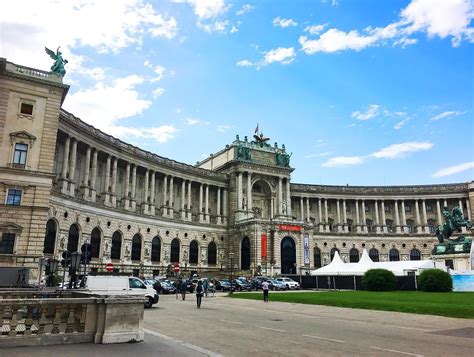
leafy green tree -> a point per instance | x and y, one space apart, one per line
435 280
379 280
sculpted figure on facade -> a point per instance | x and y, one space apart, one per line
203 256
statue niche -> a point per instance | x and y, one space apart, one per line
261 198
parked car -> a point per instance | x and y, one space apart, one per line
257 282
163 287
291 284
276 285
224 285
242 285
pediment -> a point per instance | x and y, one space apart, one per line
23 135
10 227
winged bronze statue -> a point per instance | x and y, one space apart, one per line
59 62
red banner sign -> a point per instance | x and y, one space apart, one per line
264 246
289 227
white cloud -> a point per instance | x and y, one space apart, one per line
206 9
343 161
245 9
95 24
309 156
315 29
223 128
280 54
440 18
194 121
451 170
372 111
159 70
283 23
335 40
401 123
244 63
234 29
158 92
396 151
216 26
446 115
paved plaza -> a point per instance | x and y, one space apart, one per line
235 327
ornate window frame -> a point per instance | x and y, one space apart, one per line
27 102
20 137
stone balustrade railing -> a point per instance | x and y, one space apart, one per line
32 72
32 318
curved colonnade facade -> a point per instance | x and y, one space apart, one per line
65 183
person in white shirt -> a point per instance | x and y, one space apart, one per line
265 291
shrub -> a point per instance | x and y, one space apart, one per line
435 280
379 280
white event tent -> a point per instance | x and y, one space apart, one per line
338 267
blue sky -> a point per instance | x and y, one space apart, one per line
361 92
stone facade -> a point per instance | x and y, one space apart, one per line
143 212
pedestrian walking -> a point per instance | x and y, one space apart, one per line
184 286
265 290
178 287
199 293
205 286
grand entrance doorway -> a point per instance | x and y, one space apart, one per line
288 256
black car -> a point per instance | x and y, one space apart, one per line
242 285
224 285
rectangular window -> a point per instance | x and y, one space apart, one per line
367 208
14 197
407 208
26 109
429 208
19 157
7 243
387 208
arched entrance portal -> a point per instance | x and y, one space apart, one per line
245 254
288 256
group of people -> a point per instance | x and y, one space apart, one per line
202 288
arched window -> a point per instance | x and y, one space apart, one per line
156 249
212 254
317 258
116 251
136 247
174 251
353 255
73 238
393 255
374 254
193 252
415 254
333 251
95 243
245 254
50 237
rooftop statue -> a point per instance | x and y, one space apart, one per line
452 223
59 62
260 140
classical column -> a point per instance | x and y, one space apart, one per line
358 226
302 209
344 216
85 183
397 218
280 196
127 187
384 220
239 192
67 144
468 208
190 213
249 192
308 218
224 213
320 215
94 175
171 198
107 181
404 217
445 203
164 206
134 188
438 207
219 213
326 217
207 215
425 219
183 199
419 227
463 229
152 194
338 210
145 200
288 198
364 219
72 168
114 183
200 203
377 221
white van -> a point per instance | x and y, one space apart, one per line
121 285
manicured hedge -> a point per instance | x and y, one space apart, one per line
379 280
435 280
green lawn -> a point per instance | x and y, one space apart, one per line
443 304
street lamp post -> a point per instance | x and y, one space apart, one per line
52 265
231 256
75 263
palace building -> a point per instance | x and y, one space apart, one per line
64 183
